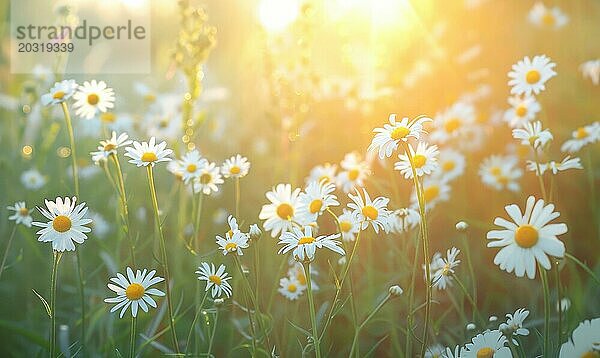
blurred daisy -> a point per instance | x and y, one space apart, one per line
233 243
388 138
315 199
403 220
208 180
566 164
66 225
33 179
529 238
296 271
60 92
215 278
591 69
584 342
349 225
487 345
281 212
529 76
148 153
523 109
514 325
532 134
304 245
581 137
325 172
99 225
424 160
563 305
235 167
451 165
21 215
110 146
93 97
500 172
453 122
543 16
190 165
134 291
443 268
354 172
290 288
435 190
371 211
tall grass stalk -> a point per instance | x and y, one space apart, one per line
354 346
56 259
311 306
124 207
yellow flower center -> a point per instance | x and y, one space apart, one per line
61 223
23 211
93 99
448 166
353 174
234 170
548 18
533 77
232 246
135 291
419 160
205 178
191 168
431 192
370 212
495 171
109 146
301 277
345 226
521 111
581 133
150 97
325 179
526 236
486 352
58 95
285 211
306 240
315 206
590 354
149 157
399 133
292 288
452 124
108 117
215 279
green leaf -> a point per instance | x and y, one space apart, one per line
46 305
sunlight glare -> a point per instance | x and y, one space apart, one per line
276 15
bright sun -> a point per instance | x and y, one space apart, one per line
276 15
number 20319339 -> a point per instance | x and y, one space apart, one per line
45 47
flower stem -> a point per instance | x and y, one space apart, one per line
583 266
539 173
212 335
198 310
56 259
124 208
237 198
469 298
471 270
10 240
132 337
558 294
72 144
165 262
362 325
411 294
546 289
311 304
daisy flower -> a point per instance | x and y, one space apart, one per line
215 278
500 172
233 243
281 212
134 290
543 16
208 180
529 76
487 345
296 271
424 160
514 325
60 92
32 179
443 268
456 353
354 172
566 164
388 138
190 165
290 288
349 225
254 232
93 97
529 238
21 215
148 153
451 165
591 69
583 341
371 211
581 137
453 122
303 245
110 146
435 190
532 134
235 167
66 225
325 172
315 199
403 220
522 109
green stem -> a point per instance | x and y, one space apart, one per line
124 208
546 289
539 173
583 266
411 292
558 297
311 304
132 337
471 270
362 325
237 198
469 298
81 296
10 240
165 262
56 259
196 315
212 335
72 144
248 294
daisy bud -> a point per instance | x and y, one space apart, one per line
342 261
462 226
255 232
470 326
493 319
395 290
